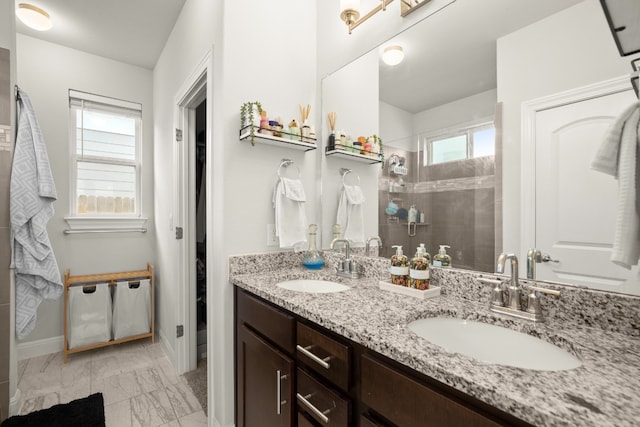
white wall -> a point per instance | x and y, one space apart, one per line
352 93
262 51
46 72
467 111
570 49
396 127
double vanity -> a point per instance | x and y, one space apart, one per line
315 349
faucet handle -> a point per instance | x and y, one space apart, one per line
533 300
496 292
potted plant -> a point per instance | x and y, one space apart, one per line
247 112
377 142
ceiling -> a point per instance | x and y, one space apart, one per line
452 55
130 31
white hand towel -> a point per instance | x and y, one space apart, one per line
350 213
617 156
290 215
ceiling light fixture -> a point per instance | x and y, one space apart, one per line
34 17
393 55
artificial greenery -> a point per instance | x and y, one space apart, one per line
246 117
378 140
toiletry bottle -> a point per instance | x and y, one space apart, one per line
399 268
425 253
413 213
419 271
442 259
312 258
264 123
332 141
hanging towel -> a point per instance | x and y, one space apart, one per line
618 156
32 193
290 216
350 213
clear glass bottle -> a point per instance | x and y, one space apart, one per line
399 269
419 270
312 258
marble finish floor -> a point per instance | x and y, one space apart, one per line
139 385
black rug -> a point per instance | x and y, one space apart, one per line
85 412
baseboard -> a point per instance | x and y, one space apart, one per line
29 349
168 351
15 403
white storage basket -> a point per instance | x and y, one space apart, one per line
90 314
131 308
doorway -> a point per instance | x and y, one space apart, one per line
200 210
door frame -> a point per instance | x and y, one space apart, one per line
196 88
528 150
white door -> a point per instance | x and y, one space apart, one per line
575 206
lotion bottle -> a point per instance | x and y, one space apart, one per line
419 270
399 268
442 259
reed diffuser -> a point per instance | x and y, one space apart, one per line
332 127
304 116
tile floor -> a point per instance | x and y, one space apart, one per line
139 385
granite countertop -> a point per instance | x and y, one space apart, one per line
604 391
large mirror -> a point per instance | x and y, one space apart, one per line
490 127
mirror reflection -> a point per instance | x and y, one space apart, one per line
490 126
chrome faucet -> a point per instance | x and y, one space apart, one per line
368 245
346 267
507 301
533 256
513 291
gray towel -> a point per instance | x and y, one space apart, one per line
32 193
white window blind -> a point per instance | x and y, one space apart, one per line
106 146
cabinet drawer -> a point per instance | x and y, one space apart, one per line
322 404
272 323
324 355
408 403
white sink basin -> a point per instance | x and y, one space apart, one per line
493 344
313 286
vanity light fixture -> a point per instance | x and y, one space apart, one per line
34 17
350 14
393 55
350 10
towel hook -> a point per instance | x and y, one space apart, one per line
344 172
285 163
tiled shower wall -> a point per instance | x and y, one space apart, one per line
6 151
459 202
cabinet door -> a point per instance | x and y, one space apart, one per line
264 383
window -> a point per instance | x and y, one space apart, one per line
105 145
462 144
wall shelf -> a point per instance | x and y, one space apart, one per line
301 143
344 152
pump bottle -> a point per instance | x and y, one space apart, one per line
442 259
399 268
419 270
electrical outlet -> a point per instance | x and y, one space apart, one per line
272 239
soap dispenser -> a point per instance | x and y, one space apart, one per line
399 268
442 259
312 258
419 270
425 253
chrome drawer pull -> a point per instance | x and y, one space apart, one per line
316 411
306 352
280 402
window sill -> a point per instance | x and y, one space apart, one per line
105 225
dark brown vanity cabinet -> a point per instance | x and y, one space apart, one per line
265 370
314 377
